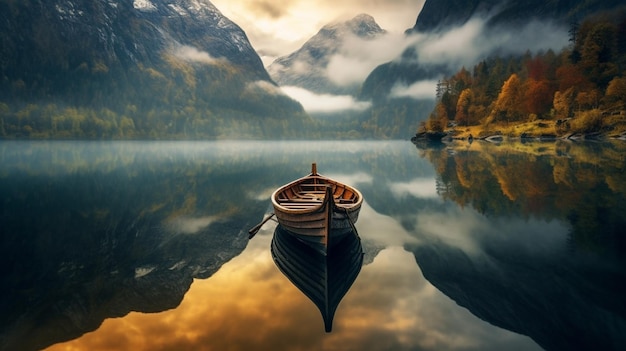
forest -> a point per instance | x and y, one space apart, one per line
582 89
172 98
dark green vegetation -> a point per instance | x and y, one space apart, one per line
395 115
88 69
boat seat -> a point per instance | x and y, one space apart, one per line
303 206
301 201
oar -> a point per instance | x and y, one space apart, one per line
252 232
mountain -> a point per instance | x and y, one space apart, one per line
170 67
502 27
499 15
560 303
438 15
307 67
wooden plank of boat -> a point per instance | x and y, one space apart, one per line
315 206
324 279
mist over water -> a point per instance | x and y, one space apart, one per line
145 243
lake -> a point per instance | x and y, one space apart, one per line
143 245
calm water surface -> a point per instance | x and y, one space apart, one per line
143 246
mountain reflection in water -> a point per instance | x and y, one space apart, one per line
89 236
547 257
143 246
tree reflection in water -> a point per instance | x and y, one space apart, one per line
517 274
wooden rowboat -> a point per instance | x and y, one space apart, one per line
317 209
324 279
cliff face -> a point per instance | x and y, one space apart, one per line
57 37
438 15
169 57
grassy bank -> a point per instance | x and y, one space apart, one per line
584 126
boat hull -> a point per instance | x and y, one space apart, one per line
324 279
321 229
317 210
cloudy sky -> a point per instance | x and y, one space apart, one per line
279 27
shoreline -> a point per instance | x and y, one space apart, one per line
544 131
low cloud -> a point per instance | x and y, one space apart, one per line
358 57
420 90
454 48
457 45
192 54
324 103
467 44
264 86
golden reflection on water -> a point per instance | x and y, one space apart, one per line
240 307
248 304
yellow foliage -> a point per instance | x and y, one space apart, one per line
587 122
99 67
153 73
184 67
506 185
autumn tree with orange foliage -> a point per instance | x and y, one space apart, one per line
509 106
463 107
616 93
588 76
538 97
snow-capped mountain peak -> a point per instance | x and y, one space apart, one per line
306 67
144 5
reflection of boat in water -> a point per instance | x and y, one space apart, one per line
317 209
325 279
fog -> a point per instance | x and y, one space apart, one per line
264 86
324 103
424 89
192 54
440 53
453 48
467 44
358 57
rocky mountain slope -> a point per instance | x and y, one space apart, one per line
438 15
307 67
179 58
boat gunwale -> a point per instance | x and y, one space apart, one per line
312 208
